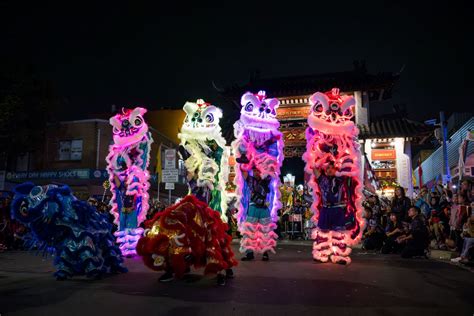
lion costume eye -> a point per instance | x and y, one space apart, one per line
209 118
158 260
36 191
318 108
249 107
24 208
138 121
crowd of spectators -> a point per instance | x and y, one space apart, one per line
436 219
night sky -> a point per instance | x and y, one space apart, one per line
160 56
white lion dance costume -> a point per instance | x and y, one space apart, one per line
205 155
127 164
332 159
258 148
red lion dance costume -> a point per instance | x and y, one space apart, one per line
332 159
187 234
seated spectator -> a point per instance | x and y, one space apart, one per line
468 241
6 232
415 241
4 225
460 212
19 234
443 226
434 220
400 203
393 230
374 236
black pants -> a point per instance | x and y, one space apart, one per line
373 242
391 246
413 248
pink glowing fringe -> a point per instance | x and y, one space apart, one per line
258 237
139 188
315 158
331 244
335 244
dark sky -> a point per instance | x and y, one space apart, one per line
130 54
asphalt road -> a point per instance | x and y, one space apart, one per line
289 284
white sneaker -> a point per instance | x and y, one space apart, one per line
456 260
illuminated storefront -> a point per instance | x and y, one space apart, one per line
387 143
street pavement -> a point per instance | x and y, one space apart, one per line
290 284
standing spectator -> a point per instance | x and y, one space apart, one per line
422 203
434 205
400 203
466 190
446 197
425 194
393 230
297 225
416 240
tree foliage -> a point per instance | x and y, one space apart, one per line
27 105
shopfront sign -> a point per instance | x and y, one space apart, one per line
384 154
293 112
57 174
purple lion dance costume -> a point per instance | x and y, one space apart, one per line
127 164
258 148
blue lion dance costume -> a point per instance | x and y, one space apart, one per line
80 236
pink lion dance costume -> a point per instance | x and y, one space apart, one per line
332 159
258 149
127 164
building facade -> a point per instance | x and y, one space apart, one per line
432 167
74 153
386 143
293 93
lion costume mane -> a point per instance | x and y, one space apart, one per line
187 234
